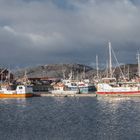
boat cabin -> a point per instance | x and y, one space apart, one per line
22 89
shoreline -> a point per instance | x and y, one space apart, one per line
46 94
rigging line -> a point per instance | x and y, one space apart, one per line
118 64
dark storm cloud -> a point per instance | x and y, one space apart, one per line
48 31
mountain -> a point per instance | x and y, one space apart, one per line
77 70
55 70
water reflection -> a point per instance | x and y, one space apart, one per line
17 102
111 103
21 102
57 118
60 100
118 118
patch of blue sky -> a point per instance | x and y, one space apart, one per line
5 22
35 0
62 4
136 2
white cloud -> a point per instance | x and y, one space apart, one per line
9 29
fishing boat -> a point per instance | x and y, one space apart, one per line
78 82
61 88
122 88
83 86
111 86
21 91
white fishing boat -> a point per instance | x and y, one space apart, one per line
21 91
125 88
109 86
83 86
61 88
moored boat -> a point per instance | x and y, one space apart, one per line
61 88
83 86
121 86
21 91
130 89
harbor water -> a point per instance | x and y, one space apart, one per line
70 118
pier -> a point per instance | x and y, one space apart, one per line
46 94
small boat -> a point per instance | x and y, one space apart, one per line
21 91
61 88
83 86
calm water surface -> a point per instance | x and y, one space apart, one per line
70 118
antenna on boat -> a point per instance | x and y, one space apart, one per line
128 73
110 60
97 68
84 73
64 73
9 76
70 75
138 64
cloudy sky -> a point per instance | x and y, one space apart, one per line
34 32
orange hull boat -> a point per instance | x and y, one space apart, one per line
15 95
22 91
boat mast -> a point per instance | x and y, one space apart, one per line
64 73
107 71
97 68
71 75
138 64
128 73
110 61
84 73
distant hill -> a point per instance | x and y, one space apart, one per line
130 70
54 70
77 70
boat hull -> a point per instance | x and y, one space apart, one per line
130 93
106 89
64 92
84 89
27 95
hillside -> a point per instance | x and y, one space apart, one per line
54 70
78 71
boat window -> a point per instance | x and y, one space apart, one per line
73 84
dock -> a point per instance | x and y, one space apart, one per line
45 94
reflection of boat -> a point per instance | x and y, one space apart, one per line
21 91
112 99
